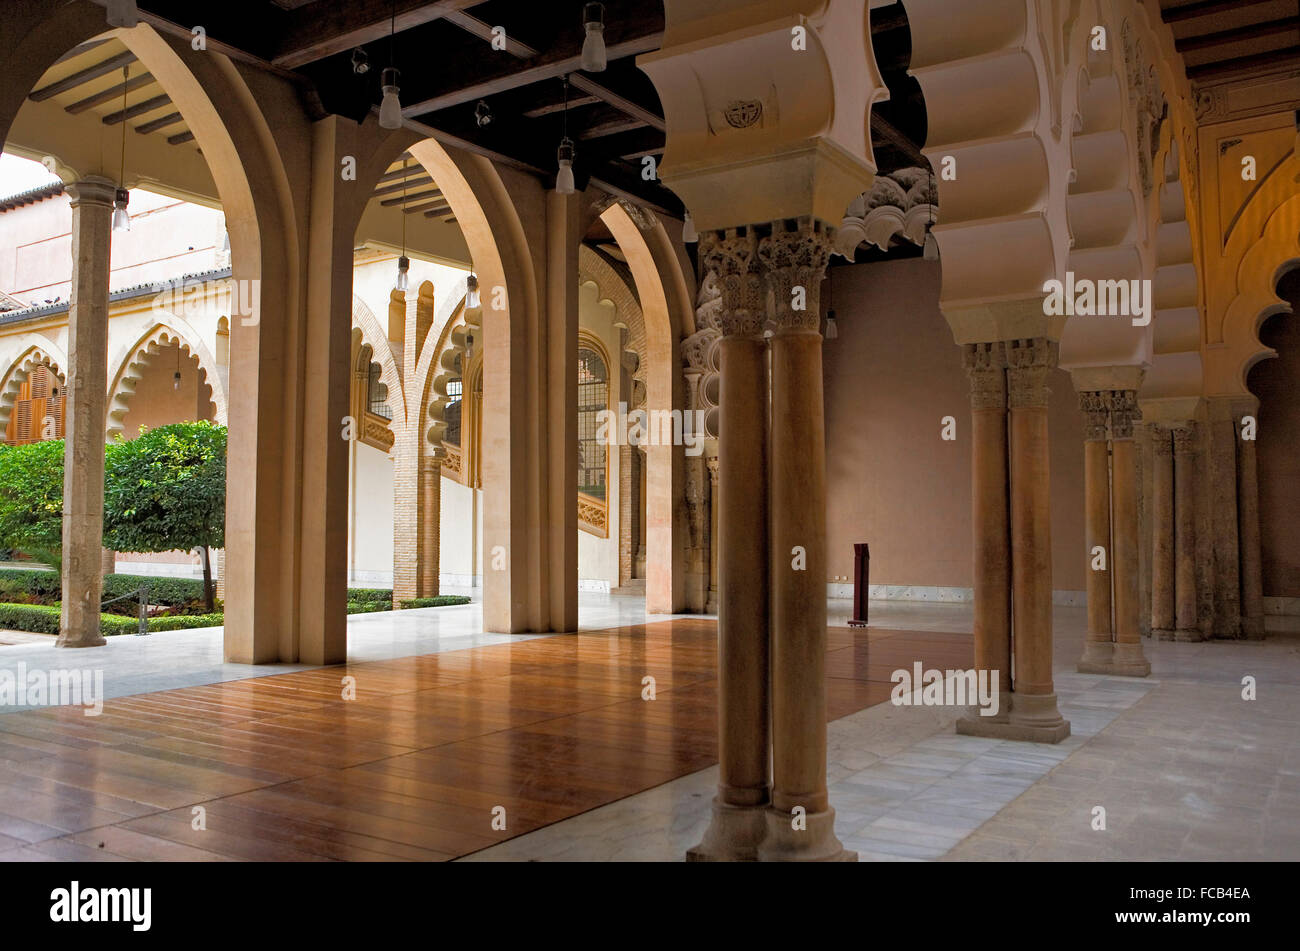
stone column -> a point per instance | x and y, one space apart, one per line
711 606
86 389
1098 641
430 522
1162 534
107 562
1034 714
1185 620
795 264
738 821
1127 656
991 524
1252 584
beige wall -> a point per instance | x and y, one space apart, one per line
1274 382
157 401
892 374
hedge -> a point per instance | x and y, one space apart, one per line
44 619
441 601
369 607
370 594
171 592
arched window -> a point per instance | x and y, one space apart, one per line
38 412
454 412
593 398
377 393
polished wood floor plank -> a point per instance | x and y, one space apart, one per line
411 769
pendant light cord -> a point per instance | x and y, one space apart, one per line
403 207
126 75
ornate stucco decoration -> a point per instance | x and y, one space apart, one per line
1148 102
901 203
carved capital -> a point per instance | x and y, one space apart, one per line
1124 413
794 263
1161 444
986 365
1184 439
734 258
1095 405
1029 364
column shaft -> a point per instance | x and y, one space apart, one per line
1128 657
1162 533
87 383
430 525
1185 535
711 606
1252 587
1097 644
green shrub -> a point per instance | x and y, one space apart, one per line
370 594
441 601
181 622
37 618
369 607
171 592
34 582
44 619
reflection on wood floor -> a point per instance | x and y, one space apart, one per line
285 769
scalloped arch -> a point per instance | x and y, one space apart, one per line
40 353
162 334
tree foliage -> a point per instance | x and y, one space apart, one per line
31 499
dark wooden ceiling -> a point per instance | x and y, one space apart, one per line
1223 40
449 66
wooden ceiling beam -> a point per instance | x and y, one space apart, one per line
1224 37
109 94
1205 8
139 109
320 30
1238 64
555 107
472 24
83 76
622 104
892 136
423 179
613 127
161 122
403 199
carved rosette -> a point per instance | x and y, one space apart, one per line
1184 439
792 260
986 365
1095 405
1124 413
734 258
1029 364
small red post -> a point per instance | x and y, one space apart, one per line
861 584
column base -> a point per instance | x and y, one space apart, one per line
1252 628
1189 635
1034 719
814 843
1164 634
1097 657
1129 661
93 640
733 834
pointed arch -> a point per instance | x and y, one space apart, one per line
38 351
164 333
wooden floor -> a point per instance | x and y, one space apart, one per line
285 769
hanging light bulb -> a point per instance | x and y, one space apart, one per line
593 47
390 110
689 234
121 220
931 251
832 330
564 178
225 242
176 380
123 13
471 291
403 282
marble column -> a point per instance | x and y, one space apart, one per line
1162 534
738 820
800 822
711 605
1034 714
1185 620
87 385
1127 656
430 522
1099 639
1252 583
991 524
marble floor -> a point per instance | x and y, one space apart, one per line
1184 768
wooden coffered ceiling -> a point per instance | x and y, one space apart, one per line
1225 40
451 75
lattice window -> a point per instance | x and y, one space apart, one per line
377 393
593 397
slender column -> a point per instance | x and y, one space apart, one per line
711 606
795 264
1034 714
1127 657
1162 533
108 561
430 522
737 824
1185 534
1097 643
83 456
991 524
1252 585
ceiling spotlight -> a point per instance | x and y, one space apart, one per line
593 47
360 61
390 110
122 13
483 114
